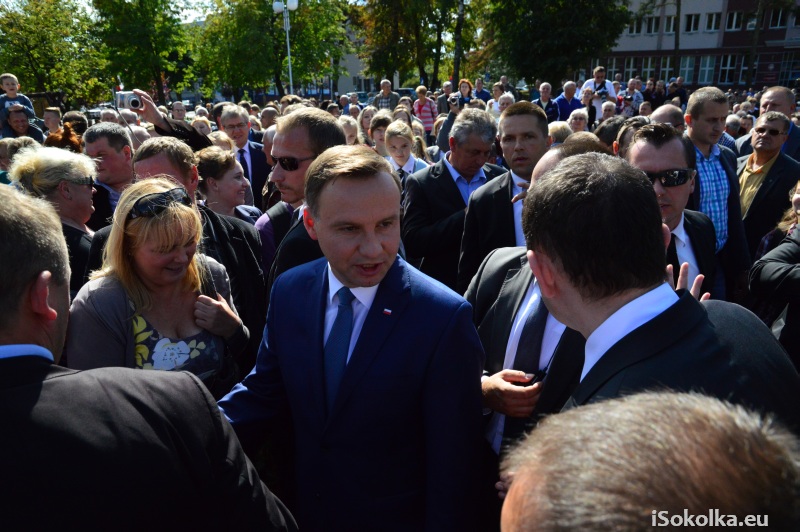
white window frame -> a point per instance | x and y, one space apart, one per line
693 23
705 75
734 20
686 70
727 66
713 21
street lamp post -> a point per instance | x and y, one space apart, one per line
283 6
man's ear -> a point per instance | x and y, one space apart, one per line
688 119
451 142
544 271
39 296
128 152
308 221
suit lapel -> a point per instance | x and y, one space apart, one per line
509 299
699 246
772 177
564 373
448 186
313 358
648 340
394 295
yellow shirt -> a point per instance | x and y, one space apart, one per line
750 181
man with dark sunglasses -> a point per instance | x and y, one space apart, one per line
766 177
668 159
300 137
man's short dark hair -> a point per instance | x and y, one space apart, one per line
176 151
598 218
324 131
116 135
701 97
348 162
776 116
610 465
661 134
78 120
625 133
524 108
608 129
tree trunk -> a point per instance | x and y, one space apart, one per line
457 39
751 54
437 54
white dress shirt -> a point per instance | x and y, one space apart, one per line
553 330
364 296
628 318
683 246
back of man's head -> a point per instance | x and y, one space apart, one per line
116 135
610 208
635 463
31 242
324 131
608 129
473 122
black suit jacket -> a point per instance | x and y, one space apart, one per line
791 147
123 449
259 172
101 217
701 234
433 220
771 200
496 293
488 225
236 245
734 256
296 248
715 347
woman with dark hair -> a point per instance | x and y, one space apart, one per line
157 304
224 185
65 138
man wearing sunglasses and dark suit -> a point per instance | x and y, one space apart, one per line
668 158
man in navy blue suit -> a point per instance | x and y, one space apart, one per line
377 365
235 121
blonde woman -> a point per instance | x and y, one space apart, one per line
157 304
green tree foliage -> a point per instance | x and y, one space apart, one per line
51 47
549 39
144 38
243 43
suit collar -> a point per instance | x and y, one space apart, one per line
512 293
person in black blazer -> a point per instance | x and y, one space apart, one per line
235 121
660 148
492 221
435 203
782 100
763 204
639 333
111 436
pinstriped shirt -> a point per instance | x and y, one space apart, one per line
714 190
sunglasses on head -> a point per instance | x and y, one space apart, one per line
773 132
154 204
87 180
671 178
290 164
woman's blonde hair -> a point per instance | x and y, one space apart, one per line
40 170
176 225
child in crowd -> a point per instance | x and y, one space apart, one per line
399 143
11 98
350 127
377 130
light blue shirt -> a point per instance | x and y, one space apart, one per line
22 350
519 236
466 188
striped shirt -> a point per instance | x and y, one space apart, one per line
714 191
425 110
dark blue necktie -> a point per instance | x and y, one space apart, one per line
243 162
527 360
338 345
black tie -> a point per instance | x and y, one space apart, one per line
672 258
243 161
402 174
527 360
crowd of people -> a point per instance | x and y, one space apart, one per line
465 311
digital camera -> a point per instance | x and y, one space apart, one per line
128 100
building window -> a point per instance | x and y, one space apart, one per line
727 68
692 23
712 21
611 68
687 69
743 72
734 21
651 25
635 27
669 24
778 19
666 68
648 68
630 68
706 75
751 23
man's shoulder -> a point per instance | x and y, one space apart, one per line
505 258
487 191
492 171
696 217
425 289
429 173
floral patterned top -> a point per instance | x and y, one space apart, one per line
201 353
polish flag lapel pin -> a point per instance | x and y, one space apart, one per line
387 312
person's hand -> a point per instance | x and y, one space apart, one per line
683 282
216 316
504 484
521 196
149 110
454 108
15 107
501 395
